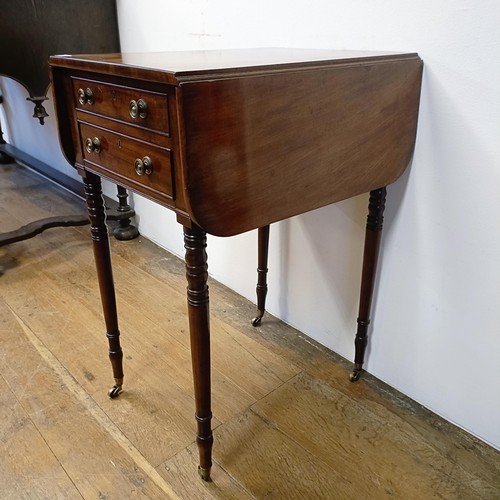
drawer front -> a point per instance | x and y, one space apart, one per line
134 106
139 165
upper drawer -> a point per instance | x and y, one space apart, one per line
142 108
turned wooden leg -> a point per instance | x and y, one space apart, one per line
195 242
99 233
374 224
263 246
125 230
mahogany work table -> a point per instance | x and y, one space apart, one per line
235 140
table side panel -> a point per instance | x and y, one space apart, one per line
261 149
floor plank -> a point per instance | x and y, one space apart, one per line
27 463
62 427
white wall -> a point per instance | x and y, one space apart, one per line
436 314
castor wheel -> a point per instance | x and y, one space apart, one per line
114 391
256 321
204 473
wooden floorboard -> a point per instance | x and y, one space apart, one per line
287 421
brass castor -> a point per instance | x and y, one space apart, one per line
356 374
257 321
204 473
114 391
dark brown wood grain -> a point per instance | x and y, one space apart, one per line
102 257
267 148
175 68
261 288
256 142
373 233
195 242
117 157
114 100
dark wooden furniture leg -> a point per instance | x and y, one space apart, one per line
374 224
263 246
100 240
195 242
125 230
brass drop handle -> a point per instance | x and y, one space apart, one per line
93 145
144 166
85 96
138 109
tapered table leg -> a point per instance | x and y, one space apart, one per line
195 242
263 249
99 233
374 224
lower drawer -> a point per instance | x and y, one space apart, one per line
139 165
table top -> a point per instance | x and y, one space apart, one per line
179 66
